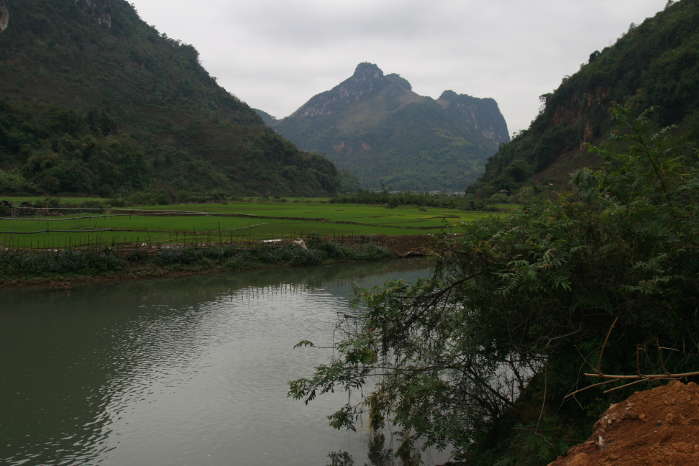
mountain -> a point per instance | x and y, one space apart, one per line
94 100
653 66
379 130
268 119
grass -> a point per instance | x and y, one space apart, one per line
72 200
362 213
269 219
507 207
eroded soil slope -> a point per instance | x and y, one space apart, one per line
652 427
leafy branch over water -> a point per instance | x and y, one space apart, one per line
480 357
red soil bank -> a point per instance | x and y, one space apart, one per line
653 427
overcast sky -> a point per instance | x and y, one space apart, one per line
275 55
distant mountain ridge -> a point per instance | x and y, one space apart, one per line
268 119
94 100
379 130
653 66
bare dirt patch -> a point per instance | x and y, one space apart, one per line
652 427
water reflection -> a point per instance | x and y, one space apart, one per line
187 371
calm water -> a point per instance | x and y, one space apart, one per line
175 372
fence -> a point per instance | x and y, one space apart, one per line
46 237
92 240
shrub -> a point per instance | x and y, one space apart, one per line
480 357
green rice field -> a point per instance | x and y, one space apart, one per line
43 199
225 222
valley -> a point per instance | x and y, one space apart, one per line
187 279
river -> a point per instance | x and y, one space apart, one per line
189 371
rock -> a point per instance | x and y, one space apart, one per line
4 16
300 243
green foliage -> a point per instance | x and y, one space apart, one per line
348 183
96 101
410 198
14 183
653 65
340 458
15 264
480 357
68 152
22 264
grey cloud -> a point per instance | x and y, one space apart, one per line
318 24
276 55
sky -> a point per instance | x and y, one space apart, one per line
275 55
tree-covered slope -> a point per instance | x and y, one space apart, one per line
268 119
375 127
93 100
655 64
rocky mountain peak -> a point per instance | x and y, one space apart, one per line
367 72
368 79
448 95
374 126
364 84
397 79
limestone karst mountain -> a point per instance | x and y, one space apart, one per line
94 100
379 130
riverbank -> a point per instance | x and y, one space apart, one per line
66 268
654 426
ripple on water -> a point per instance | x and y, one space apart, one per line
187 371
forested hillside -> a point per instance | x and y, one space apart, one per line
653 66
93 100
376 128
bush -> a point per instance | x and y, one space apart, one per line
87 262
371 251
481 357
330 249
180 256
26 263
14 183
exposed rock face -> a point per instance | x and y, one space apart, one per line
374 126
101 10
482 114
4 16
367 80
